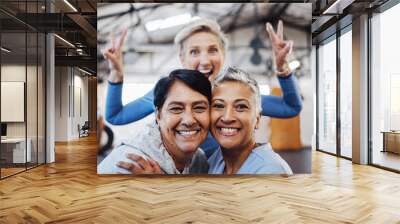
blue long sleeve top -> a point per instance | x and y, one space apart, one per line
289 105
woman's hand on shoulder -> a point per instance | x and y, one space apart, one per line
140 165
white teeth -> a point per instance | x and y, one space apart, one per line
187 133
205 71
229 131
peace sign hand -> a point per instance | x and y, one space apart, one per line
114 56
281 48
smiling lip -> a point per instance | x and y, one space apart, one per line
187 133
207 74
228 131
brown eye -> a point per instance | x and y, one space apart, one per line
175 110
218 106
241 107
213 50
194 52
199 109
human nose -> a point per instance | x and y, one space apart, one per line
228 116
205 59
188 119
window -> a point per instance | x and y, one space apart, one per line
22 75
346 93
385 89
327 96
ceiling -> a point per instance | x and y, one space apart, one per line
76 24
93 22
231 16
332 15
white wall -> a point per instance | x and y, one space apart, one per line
61 103
307 113
33 126
80 98
16 73
314 97
70 84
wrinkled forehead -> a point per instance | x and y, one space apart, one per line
231 89
202 38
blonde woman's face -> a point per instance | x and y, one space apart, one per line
203 52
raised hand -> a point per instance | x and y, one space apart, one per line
281 48
140 165
115 59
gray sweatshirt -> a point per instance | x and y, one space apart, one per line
148 144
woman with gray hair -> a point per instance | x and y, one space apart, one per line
202 47
235 114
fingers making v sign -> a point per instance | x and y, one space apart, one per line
281 49
115 58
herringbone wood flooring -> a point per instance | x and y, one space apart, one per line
70 191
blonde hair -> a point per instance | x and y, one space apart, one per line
201 25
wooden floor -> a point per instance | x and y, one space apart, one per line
10 171
5 172
70 191
387 159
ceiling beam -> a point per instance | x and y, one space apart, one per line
130 10
82 61
263 21
232 25
86 27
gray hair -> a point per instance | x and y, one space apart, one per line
238 75
200 25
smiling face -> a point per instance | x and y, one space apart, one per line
234 115
202 51
183 120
